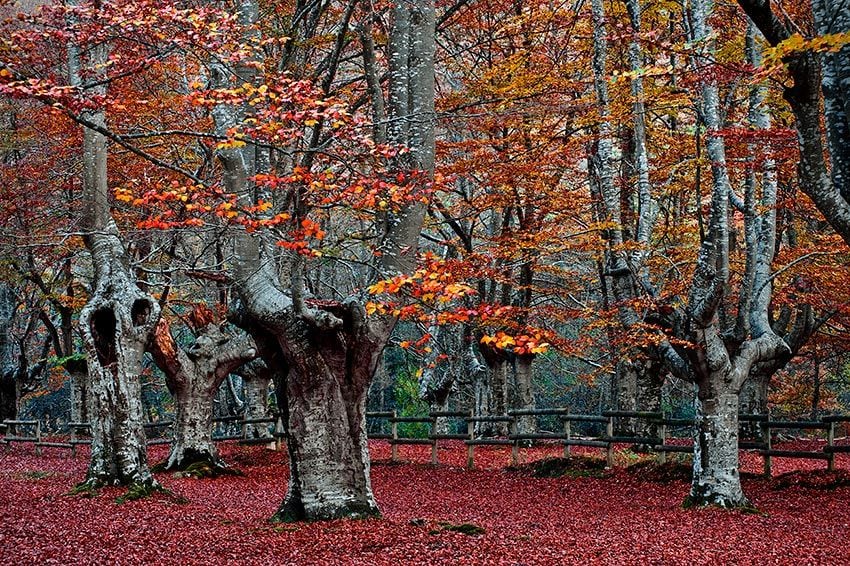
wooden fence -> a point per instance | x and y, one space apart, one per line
659 444
160 432
157 432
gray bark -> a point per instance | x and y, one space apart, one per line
718 368
330 349
831 17
8 360
524 382
803 95
256 378
116 322
193 377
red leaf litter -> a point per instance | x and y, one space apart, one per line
621 518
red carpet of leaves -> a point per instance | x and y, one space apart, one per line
619 519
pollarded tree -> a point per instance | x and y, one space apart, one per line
330 348
193 376
720 360
119 318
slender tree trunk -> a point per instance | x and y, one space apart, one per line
77 373
497 394
255 381
753 401
8 360
525 393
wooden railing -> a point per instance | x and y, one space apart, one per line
157 432
659 444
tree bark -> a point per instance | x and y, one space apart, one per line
803 95
716 480
8 365
331 349
256 378
116 322
193 377
523 378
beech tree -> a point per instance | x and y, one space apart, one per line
329 349
118 318
194 376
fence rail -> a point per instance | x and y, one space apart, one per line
659 444
29 431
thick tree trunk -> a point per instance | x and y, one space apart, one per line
115 346
193 441
193 377
330 371
716 480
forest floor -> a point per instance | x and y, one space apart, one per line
619 516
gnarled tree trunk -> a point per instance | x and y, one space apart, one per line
117 321
193 377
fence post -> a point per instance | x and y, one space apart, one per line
395 437
512 431
830 441
37 436
768 461
609 455
662 455
569 435
470 448
278 432
434 458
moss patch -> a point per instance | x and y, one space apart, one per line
575 466
815 479
470 529
36 475
661 473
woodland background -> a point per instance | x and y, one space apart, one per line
468 205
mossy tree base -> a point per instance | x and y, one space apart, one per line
197 464
294 512
717 500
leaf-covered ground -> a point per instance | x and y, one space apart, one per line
430 515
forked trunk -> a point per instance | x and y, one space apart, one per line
193 377
716 480
329 375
